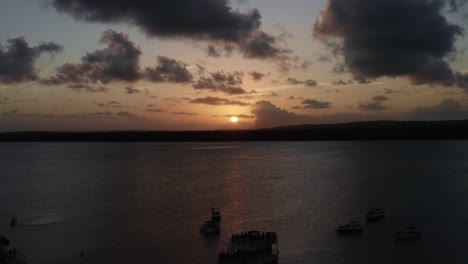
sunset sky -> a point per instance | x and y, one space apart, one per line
193 64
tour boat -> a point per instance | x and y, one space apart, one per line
251 247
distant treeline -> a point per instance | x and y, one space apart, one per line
375 130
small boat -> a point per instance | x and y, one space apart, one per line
352 227
409 233
210 227
251 247
215 214
375 214
13 222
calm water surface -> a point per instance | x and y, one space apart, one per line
144 202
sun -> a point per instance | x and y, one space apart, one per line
234 119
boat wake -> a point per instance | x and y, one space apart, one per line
39 220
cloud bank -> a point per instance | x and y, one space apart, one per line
398 38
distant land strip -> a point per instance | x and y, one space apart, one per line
374 130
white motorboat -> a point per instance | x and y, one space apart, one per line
375 214
352 227
409 233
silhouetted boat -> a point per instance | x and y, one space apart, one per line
251 247
352 227
215 214
375 214
408 233
210 227
9 255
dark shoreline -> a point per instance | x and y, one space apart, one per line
375 130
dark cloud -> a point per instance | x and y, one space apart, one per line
185 113
111 104
131 90
229 83
447 109
315 104
307 83
87 88
256 76
119 61
154 110
271 94
213 51
375 104
269 115
342 82
241 116
4 100
169 70
293 81
125 114
195 19
205 20
114 104
380 38
209 100
310 83
380 98
261 45
294 98
17 61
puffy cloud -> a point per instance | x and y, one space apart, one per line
375 104
293 81
131 90
213 51
17 61
209 100
169 70
307 83
256 76
342 82
310 83
269 115
229 83
196 19
206 20
119 61
261 45
391 38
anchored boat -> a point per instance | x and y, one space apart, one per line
352 227
409 233
375 214
251 247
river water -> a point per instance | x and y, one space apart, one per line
145 202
